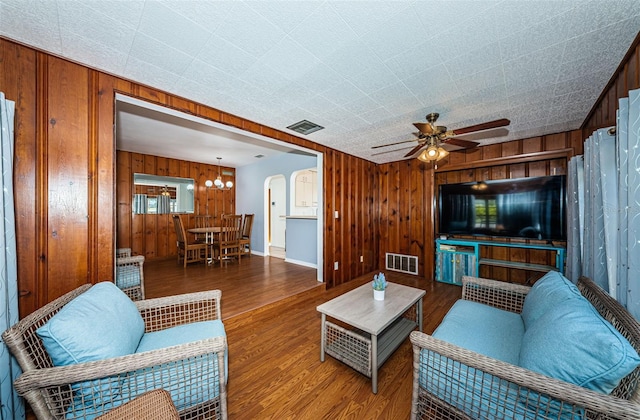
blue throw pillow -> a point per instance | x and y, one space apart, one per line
573 343
99 324
548 292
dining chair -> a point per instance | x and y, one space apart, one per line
188 252
227 243
245 238
202 221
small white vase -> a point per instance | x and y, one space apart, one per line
378 294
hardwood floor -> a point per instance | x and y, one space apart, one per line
255 282
273 333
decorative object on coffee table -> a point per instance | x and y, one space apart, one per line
379 286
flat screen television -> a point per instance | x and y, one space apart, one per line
514 208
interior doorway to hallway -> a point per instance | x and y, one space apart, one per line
276 204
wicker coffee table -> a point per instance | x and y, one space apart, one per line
373 329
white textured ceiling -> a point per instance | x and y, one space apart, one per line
364 70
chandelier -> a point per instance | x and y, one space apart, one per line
218 183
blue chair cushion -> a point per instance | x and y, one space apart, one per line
484 329
548 292
203 371
572 342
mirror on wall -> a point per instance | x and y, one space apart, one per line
155 194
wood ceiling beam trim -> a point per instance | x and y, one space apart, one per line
510 160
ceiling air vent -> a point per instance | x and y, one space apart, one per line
305 127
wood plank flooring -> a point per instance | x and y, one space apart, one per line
255 282
273 333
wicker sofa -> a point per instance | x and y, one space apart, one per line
551 373
178 344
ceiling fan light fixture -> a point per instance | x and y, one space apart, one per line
429 154
432 152
442 153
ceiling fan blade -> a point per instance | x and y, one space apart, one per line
479 127
424 128
466 144
389 151
393 144
415 149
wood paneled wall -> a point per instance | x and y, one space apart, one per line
65 177
626 78
405 206
63 174
153 235
351 239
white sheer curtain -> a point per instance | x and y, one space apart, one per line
628 136
575 217
604 208
12 406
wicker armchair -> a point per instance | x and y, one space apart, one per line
130 276
525 394
193 373
123 252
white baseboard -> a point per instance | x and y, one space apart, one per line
303 263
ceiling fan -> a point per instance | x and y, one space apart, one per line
434 136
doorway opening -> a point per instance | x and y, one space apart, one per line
276 208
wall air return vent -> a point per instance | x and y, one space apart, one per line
403 263
305 127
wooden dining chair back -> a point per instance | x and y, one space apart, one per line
245 238
228 243
188 252
202 221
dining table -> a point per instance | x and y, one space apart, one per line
209 232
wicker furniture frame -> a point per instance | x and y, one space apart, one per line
153 405
130 276
372 330
534 388
123 252
48 388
